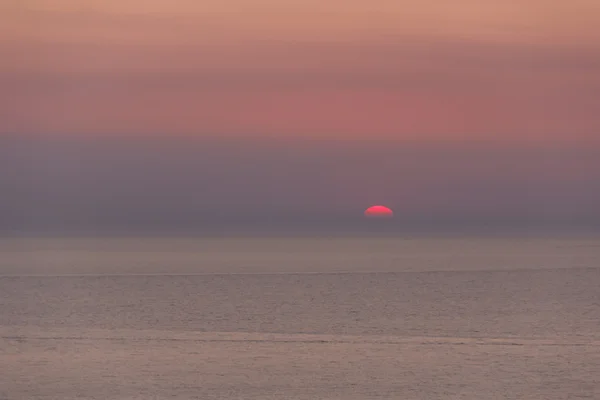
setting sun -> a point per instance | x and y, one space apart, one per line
379 212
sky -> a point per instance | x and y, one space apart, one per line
462 110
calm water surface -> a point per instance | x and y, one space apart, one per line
300 318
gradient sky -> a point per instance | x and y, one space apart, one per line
166 113
465 69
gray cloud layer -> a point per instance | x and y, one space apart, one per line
167 184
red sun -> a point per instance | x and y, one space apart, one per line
379 212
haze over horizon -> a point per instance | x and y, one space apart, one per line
197 185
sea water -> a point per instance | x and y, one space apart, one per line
300 318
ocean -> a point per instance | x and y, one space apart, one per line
300 318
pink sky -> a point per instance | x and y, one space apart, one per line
431 70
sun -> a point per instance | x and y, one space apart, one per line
379 212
